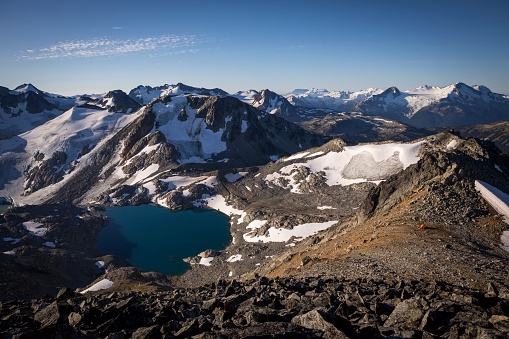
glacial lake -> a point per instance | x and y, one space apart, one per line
156 239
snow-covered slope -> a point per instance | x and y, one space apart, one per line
353 164
48 154
145 94
336 100
90 149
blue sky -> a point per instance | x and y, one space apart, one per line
72 47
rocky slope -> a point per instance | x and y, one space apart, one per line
497 132
427 222
275 308
356 128
106 143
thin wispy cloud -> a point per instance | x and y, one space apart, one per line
117 27
105 47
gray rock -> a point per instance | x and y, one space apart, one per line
315 320
407 314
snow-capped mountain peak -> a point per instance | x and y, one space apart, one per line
25 88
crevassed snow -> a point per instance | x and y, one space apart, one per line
206 261
300 232
234 258
49 244
356 164
246 96
35 228
191 137
232 177
101 285
500 202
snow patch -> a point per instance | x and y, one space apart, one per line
300 232
218 202
101 285
326 208
500 202
452 144
206 261
49 244
35 228
14 240
234 258
99 264
232 177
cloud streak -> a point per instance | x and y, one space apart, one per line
104 47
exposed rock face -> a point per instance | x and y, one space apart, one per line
274 103
46 173
118 101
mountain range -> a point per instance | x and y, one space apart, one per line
343 224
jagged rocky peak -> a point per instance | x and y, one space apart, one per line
118 101
273 103
391 90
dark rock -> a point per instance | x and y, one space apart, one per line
65 293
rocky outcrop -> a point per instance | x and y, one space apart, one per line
117 101
48 246
282 307
46 173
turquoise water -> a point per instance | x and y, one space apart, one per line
4 208
156 239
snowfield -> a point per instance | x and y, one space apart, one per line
354 164
300 232
101 285
500 202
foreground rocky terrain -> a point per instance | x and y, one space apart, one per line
276 308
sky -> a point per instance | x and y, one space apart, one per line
76 47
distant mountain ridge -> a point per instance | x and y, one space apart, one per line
425 106
429 106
